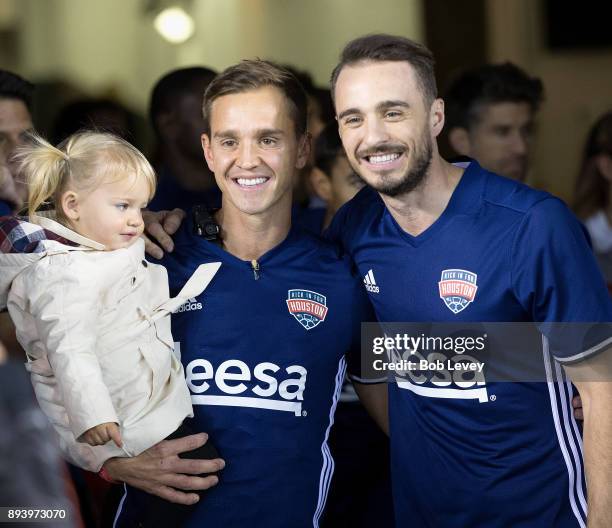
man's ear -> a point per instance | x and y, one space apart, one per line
436 115
208 155
459 140
69 203
304 145
321 184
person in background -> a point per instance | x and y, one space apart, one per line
6 180
592 196
32 474
15 122
332 179
176 117
102 115
490 113
320 112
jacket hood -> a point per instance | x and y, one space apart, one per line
22 243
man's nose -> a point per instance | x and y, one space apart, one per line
375 131
519 143
247 156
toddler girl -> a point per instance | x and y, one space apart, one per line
90 311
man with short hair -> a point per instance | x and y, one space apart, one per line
490 114
264 347
455 243
15 121
176 117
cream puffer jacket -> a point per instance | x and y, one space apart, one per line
95 326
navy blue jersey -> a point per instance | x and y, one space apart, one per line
495 454
263 350
309 219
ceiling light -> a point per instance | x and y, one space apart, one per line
174 24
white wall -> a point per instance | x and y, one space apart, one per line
111 44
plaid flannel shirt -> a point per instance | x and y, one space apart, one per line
17 235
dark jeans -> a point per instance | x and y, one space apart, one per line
139 509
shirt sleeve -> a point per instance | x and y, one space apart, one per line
337 228
557 281
64 304
360 357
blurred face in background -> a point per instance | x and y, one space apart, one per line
500 138
180 127
190 125
15 121
339 186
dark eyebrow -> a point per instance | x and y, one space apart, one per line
390 104
270 132
261 132
348 112
384 105
225 134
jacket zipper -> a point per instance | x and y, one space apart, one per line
255 266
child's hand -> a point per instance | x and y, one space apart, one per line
101 434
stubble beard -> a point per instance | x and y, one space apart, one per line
414 176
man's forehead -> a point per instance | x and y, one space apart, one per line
384 80
504 113
14 115
261 108
266 96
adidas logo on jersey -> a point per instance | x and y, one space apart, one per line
191 304
370 282
266 385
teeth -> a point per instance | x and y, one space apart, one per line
384 158
248 182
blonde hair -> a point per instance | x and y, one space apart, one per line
82 161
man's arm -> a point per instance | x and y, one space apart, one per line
593 378
161 472
374 397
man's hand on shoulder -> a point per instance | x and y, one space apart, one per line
159 226
160 471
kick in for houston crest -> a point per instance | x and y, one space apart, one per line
457 289
309 308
